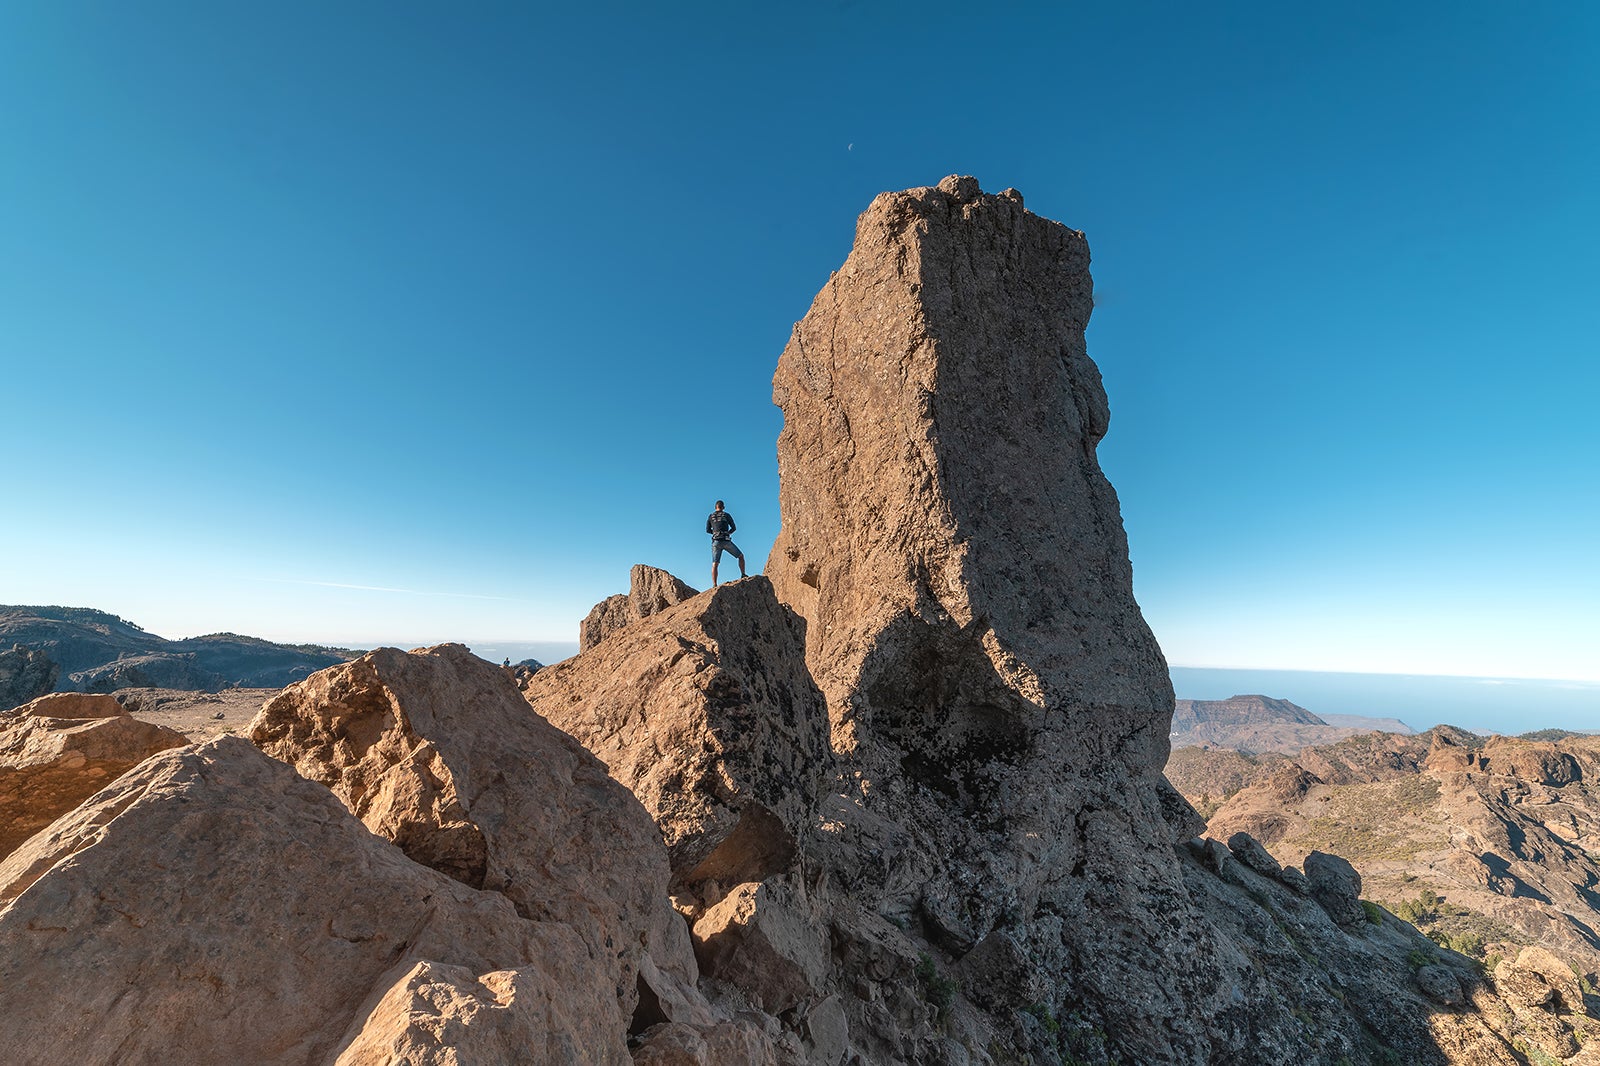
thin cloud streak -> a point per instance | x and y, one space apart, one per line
385 588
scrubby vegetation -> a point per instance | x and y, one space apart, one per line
1477 936
1373 822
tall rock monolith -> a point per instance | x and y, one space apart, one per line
959 559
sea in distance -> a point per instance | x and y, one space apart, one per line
1480 704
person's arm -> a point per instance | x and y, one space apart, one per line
731 527
709 519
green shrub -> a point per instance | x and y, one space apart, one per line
1374 912
937 989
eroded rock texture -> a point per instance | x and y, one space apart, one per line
213 906
704 709
960 562
436 750
59 750
649 590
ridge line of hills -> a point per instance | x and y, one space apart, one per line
81 649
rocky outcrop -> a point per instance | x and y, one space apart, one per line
650 590
959 559
947 532
1337 887
158 670
705 711
25 674
436 750
59 750
213 906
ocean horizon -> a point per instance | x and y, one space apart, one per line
1507 705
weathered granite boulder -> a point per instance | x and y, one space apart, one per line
1539 979
1336 885
439 1015
1440 984
25 674
436 750
705 710
650 590
59 750
213 906
766 939
1248 850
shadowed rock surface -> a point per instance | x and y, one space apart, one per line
25 674
704 709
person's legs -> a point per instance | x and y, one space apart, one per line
716 554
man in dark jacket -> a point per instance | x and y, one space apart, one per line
720 525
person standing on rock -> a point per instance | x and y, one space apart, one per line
720 525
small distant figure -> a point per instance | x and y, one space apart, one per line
720 525
507 663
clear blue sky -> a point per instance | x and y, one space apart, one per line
373 322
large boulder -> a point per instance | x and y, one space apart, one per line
649 590
1336 885
25 674
436 750
213 906
59 750
704 709
439 1015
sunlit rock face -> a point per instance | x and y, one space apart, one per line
947 532
960 562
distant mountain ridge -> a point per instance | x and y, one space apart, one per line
97 651
1257 723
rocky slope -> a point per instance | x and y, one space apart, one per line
1491 844
1261 723
98 652
900 801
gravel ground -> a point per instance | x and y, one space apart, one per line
197 715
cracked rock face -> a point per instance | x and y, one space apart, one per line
212 906
436 750
960 562
947 532
59 750
705 711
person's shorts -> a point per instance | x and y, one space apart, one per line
720 546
